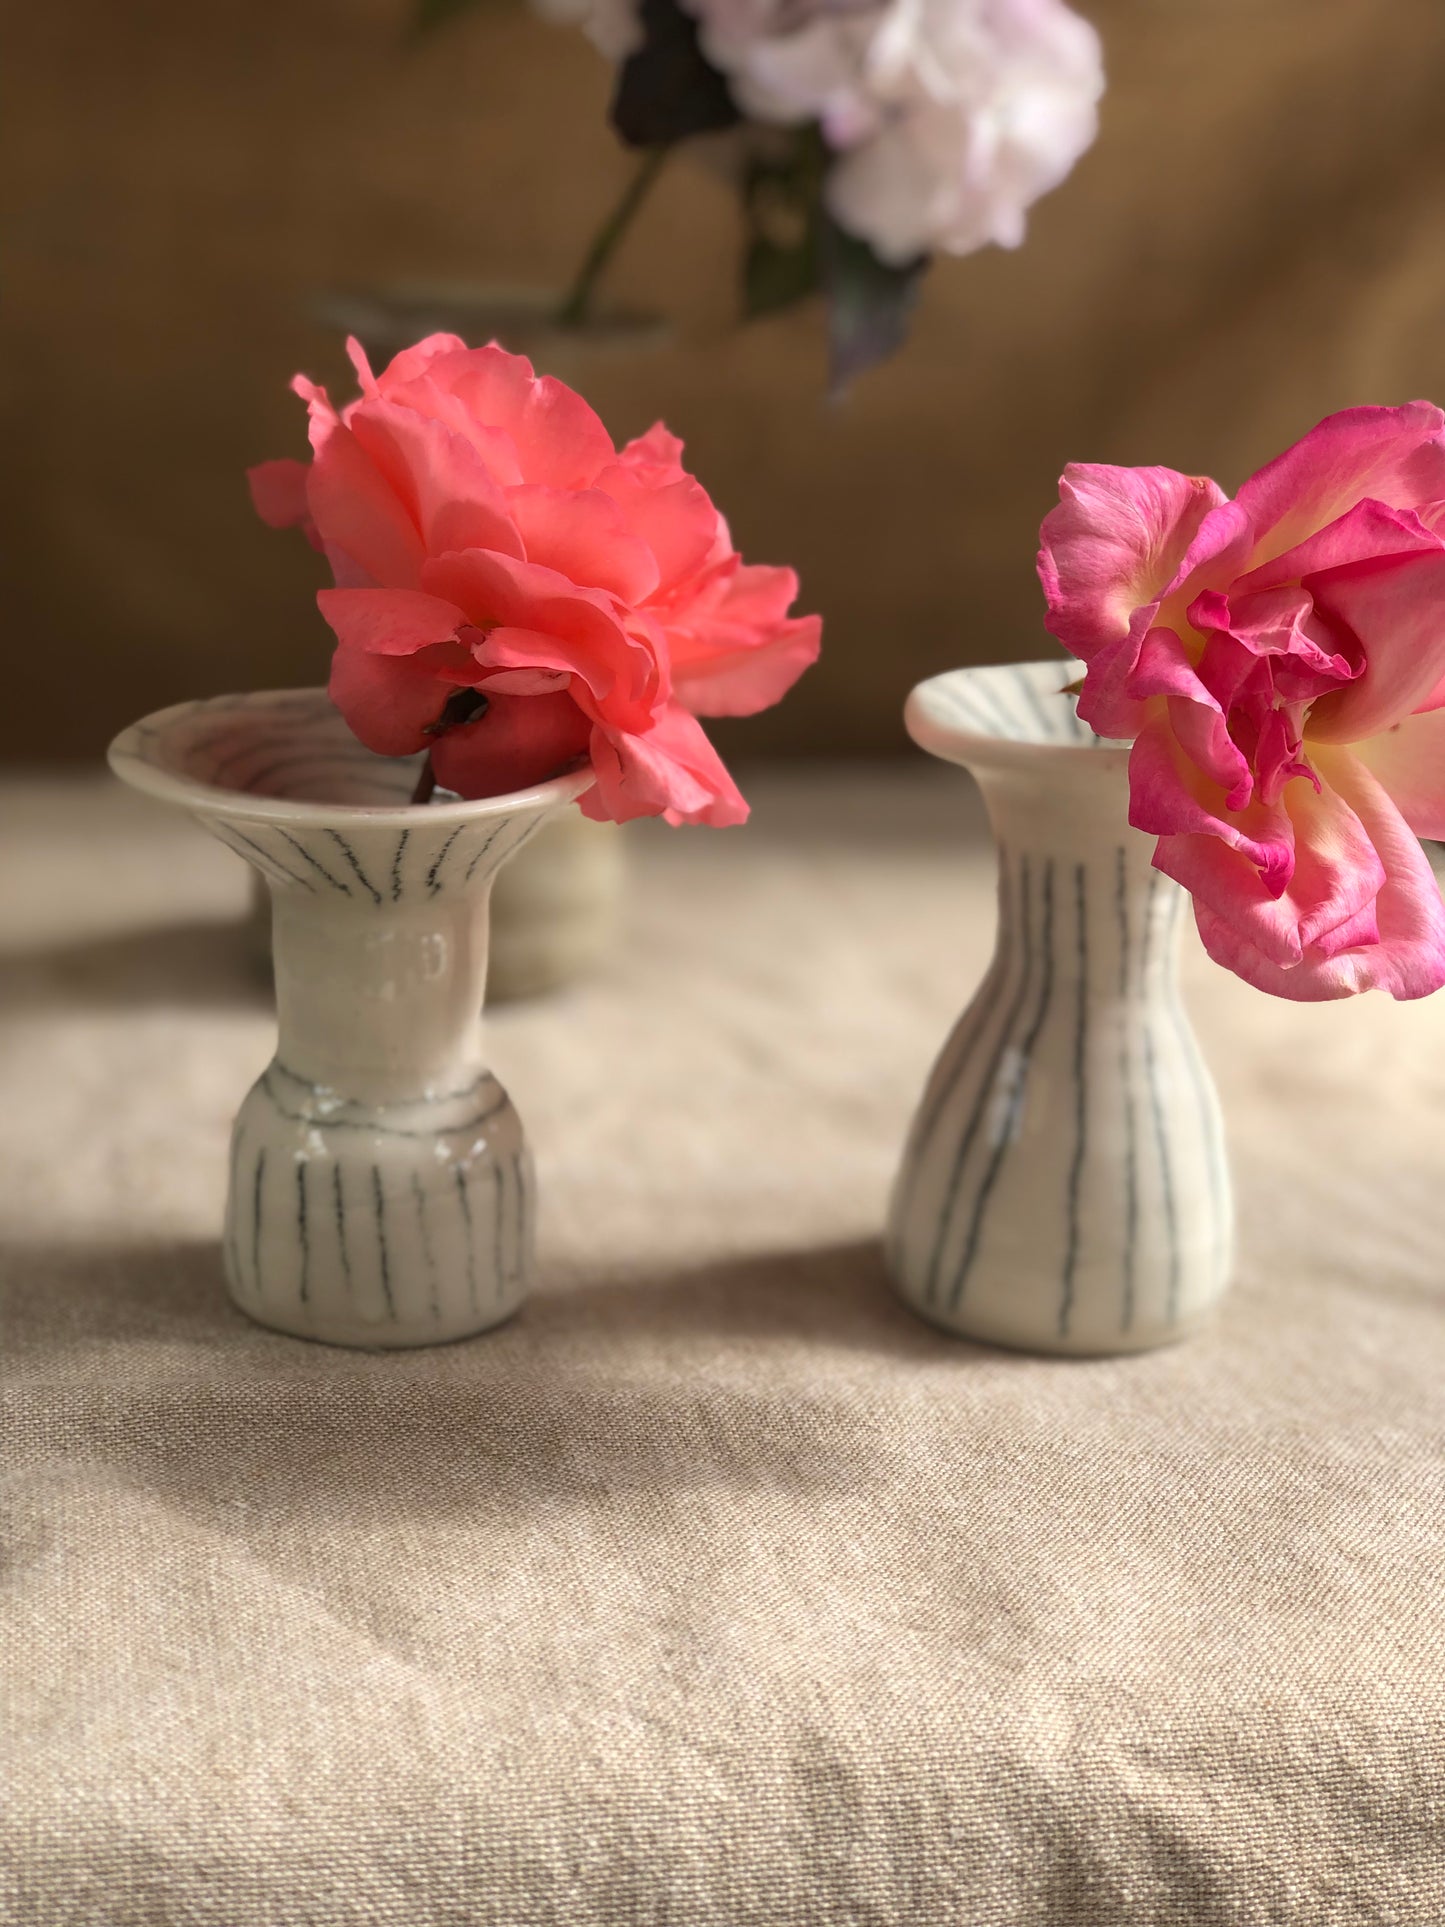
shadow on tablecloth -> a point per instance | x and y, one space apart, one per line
196 964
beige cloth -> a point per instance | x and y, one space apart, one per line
715 1591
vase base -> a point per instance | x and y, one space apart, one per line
980 1329
367 1336
378 1226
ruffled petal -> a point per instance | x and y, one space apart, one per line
389 622
1196 716
357 511
1396 611
537 617
439 477
1408 919
1169 796
659 450
1114 544
389 701
1334 878
1393 455
741 653
558 439
741 680
672 771
675 519
1363 533
582 534
414 361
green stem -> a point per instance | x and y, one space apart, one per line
576 304
426 782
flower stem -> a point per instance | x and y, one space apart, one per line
462 706
426 781
577 302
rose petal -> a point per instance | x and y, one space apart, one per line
520 742
439 477
538 618
582 534
388 701
1394 455
658 449
672 770
1169 796
559 440
1114 544
417 360
1366 531
1408 961
278 493
741 681
742 653
357 511
677 521
1396 609
1335 875
1408 762
391 622
1196 717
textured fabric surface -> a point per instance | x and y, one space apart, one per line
715 1591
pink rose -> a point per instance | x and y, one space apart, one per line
1279 661
486 536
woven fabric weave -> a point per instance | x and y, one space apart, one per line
715 1591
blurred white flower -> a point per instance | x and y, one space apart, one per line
950 117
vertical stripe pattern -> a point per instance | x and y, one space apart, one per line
386 1231
1064 1185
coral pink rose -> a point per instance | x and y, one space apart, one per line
1279 661
486 536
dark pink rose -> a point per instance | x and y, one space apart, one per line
1279 662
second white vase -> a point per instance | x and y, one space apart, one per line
1065 1186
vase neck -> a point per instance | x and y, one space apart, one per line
380 1007
379 937
1107 921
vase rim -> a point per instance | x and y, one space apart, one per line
139 757
1001 715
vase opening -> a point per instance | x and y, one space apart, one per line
1003 712
275 752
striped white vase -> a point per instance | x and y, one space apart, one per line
381 1191
1065 1186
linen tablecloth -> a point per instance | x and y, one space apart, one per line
715 1591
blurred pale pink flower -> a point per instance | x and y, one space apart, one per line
949 117
1279 661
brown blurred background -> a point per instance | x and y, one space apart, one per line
1258 238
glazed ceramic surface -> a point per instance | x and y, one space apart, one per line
381 1191
1065 1185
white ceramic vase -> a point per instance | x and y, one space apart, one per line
381 1190
1065 1185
